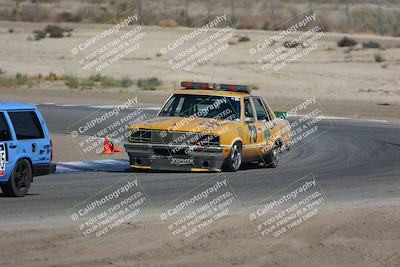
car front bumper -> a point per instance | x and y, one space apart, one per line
164 157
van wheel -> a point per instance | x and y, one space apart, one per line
234 160
20 180
271 160
3 188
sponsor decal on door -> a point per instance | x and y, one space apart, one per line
2 159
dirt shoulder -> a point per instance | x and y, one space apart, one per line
361 236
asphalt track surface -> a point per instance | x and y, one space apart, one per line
355 161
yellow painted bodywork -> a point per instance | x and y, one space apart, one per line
141 167
229 131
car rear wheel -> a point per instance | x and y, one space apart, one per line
271 160
20 180
234 160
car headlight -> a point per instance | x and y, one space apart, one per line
140 136
207 140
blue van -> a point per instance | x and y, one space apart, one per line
25 147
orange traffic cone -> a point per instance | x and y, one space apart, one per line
116 149
107 146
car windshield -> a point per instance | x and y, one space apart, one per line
203 106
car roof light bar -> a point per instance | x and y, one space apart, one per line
215 86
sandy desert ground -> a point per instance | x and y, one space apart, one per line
357 236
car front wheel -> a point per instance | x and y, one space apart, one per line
234 160
20 180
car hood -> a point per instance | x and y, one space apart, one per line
184 124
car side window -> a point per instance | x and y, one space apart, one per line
5 134
260 110
168 106
248 111
270 114
26 125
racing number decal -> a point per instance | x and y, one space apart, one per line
253 134
2 159
266 133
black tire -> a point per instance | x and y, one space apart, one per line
234 160
288 146
2 187
20 180
271 160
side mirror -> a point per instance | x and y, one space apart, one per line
281 114
248 119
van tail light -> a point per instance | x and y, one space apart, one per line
51 150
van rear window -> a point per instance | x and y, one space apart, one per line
26 125
4 130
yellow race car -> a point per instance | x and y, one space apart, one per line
209 127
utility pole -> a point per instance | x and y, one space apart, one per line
381 28
187 12
16 10
233 9
348 14
89 11
273 10
139 9
311 7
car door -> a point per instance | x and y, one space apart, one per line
278 130
30 136
8 151
249 132
263 126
